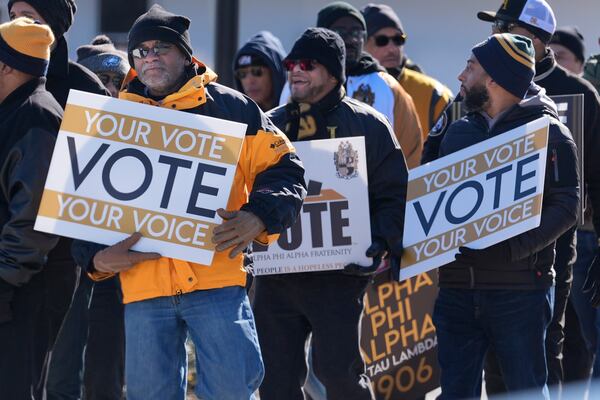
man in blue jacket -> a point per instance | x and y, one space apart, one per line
501 297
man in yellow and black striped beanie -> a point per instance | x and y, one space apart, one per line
509 60
25 46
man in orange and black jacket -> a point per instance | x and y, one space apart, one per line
167 299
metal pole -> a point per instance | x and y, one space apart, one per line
226 39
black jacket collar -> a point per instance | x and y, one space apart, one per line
545 66
20 94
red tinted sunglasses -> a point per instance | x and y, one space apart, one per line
305 64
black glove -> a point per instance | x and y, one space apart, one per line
395 258
376 251
591 285
495 255
6 295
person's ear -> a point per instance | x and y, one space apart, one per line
187 63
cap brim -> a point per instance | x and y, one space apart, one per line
487 16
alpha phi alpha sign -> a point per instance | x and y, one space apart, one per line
330 230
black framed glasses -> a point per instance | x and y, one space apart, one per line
159 49
242 73
305 64
116 80
354 33
503 26
383 40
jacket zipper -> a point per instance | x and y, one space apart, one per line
555 165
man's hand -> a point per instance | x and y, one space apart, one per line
376 251
118 257
495 255
591 285
238 230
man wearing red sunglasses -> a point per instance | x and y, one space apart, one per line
288 307
385 42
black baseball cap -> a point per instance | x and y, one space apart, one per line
535 15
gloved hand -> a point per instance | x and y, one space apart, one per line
118 257
591 285
376 251
495 255
395 258
6 295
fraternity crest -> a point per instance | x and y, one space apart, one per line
364 94
346 161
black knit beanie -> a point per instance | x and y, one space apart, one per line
379 16
159 24
334 11
572 39
509 60
325 46
102 56
57 13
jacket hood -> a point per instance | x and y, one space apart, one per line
269 48
536 99
366 64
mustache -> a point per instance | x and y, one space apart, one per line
145 67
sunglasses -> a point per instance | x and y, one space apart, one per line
305 64
105 79
159 49
243 73
383 40
354 33
504 26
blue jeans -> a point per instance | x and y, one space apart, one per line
221 325
589 317
512 322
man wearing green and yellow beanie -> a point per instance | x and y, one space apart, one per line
29 121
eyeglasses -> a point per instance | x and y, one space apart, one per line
116 80
503 26
354 33
241 74
159 49
383 40
305 64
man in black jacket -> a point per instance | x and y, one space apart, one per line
60 276
29 121
329 304
500 297
535 20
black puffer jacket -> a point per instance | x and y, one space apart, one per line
532 252
29 121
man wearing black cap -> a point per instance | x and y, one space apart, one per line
289 307
258 70
368 82
29 121
500 297
385 42
63 75
168 299
535 19
569 49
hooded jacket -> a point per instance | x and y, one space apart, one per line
386 166
368 82
29 121
531 252
269 48
269 182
